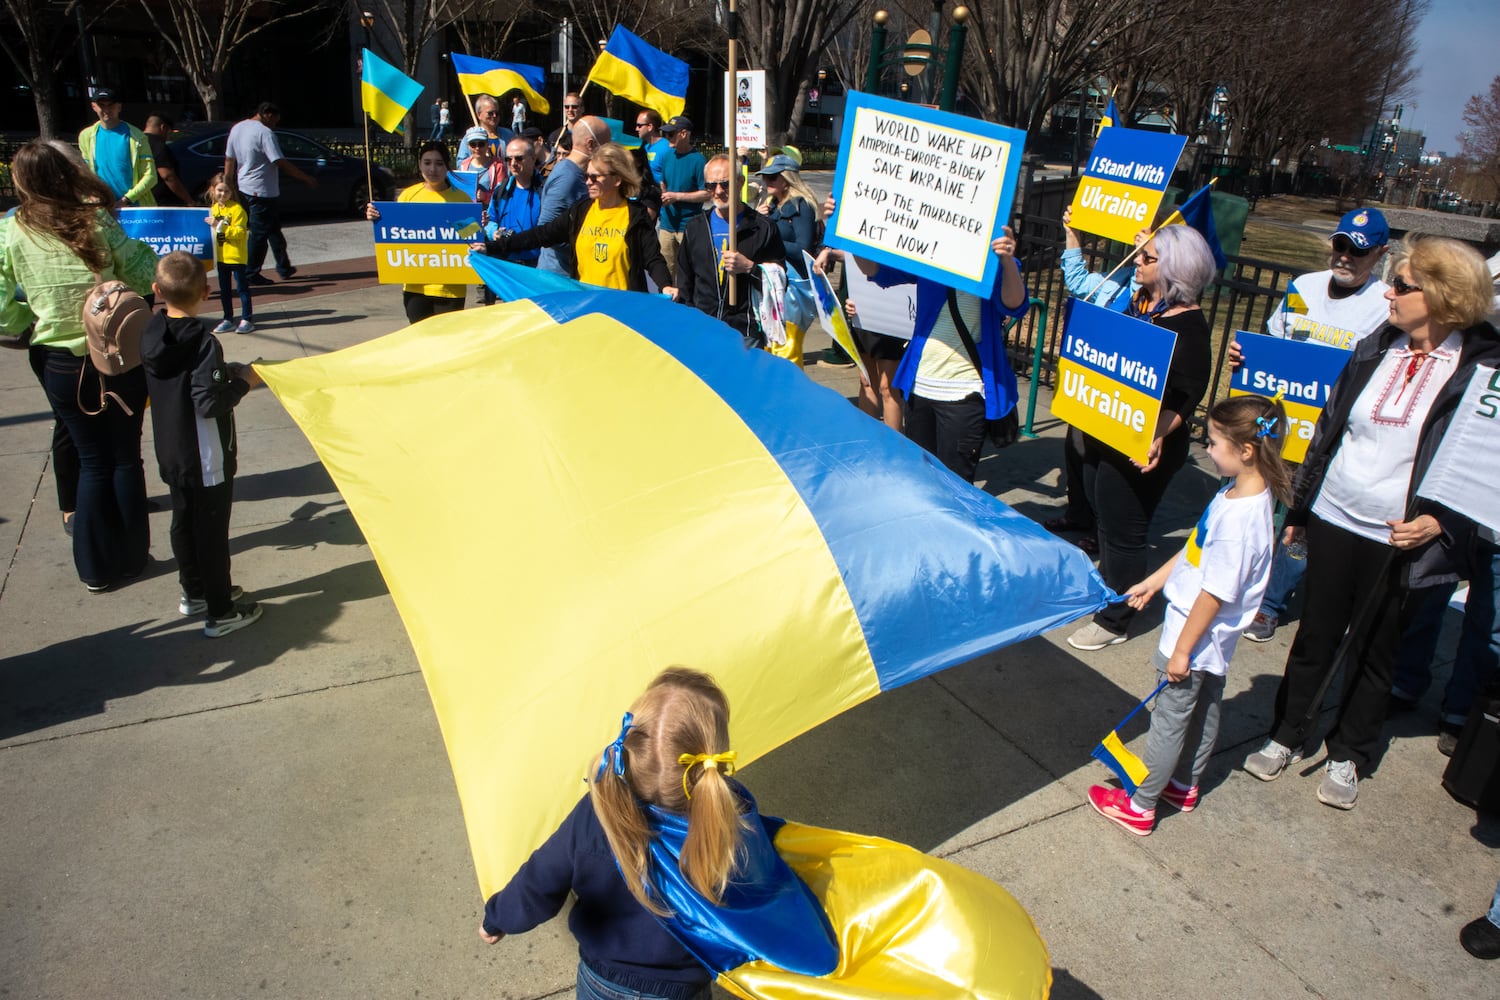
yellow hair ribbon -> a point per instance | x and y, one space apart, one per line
710 761
1280 396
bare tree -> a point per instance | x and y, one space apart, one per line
492 26
36 36
786 38
203 36
1481 140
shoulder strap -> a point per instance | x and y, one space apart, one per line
963 331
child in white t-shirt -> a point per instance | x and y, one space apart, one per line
1213 589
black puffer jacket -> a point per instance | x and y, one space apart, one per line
698 283
1444 559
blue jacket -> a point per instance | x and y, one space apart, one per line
999 380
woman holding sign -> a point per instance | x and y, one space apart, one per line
422 301
1172 269
1369 538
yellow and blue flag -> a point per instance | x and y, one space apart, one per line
1198 212
630 68
386 93
1110 116
735 517
485 76
1113 754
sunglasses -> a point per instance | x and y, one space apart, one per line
572 107
642 124
1400 287
1344 245
715 185
1147 258
517 159
597 178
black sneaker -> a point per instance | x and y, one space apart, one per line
190 606
1481 939
259 279
242 616
1448 735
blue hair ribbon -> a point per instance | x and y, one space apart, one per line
616 750
1265 427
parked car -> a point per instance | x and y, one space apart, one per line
342 186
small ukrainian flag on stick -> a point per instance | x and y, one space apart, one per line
386 93
1112 753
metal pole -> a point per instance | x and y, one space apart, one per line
877 52
955 59
1036 366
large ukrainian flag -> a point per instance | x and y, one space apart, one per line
636 71
386 92
484 76
567 494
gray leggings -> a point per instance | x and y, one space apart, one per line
1184 729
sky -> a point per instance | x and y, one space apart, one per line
1458 51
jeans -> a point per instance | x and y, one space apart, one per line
952 431
1286 573
1478 642
200 541
229 274
1124 500
111 533
592 986
64 455
265 231
1494 913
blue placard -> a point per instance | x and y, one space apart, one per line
1111 373
924 191
1304 374
1123 182
426 242
166 230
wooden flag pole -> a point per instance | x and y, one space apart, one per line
1137 249
731 107
369 171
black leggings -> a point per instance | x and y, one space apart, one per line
420 307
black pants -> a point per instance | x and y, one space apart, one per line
419 306
265 231
1124 500
64 454
953 432
1344 572
200 541
1078 510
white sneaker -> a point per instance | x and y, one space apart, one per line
1340 785
245 327
1092 637
225 326
243 616
190 606
1269 761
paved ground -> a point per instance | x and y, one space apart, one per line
272 814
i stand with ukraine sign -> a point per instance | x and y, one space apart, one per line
1110 377
426 243
1123 184
167 230
924 191
1302 372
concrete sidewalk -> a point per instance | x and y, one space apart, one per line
272 814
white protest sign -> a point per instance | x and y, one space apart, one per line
1463 476
749 108
888 311
924 191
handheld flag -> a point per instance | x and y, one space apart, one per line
466 181
386 92
1112 753
733 477
630 68
831 313
485 76
1110 116
1198 212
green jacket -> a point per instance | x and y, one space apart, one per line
56 281
142 165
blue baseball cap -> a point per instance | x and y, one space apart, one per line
1365 228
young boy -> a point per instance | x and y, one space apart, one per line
193 395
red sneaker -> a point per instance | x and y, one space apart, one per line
1179 798
1114 804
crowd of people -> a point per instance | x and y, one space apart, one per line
1378 564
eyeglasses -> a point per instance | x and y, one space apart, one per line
1400 287
1344 245
715 185
597 178
1147 258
